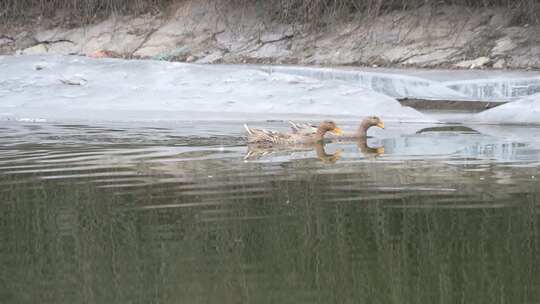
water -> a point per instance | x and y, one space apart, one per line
180 213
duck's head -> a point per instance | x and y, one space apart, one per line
372 121
329 126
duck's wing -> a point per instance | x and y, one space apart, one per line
266 136
303 128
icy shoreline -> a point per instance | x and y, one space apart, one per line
79 88
73 88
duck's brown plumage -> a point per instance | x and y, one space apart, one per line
273 138
302 127
361 132
368 122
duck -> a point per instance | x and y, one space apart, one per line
273 138
361 132
368 122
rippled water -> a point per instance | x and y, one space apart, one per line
184 213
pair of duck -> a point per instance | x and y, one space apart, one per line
307 133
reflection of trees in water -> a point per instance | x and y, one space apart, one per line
72 242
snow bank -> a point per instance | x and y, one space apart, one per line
523 111
79 88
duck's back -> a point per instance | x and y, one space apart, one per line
263 136
303 128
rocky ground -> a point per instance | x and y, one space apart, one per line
195 31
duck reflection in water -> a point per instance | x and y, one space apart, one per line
367 150
325 157
258 152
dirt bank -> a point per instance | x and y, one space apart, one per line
195 31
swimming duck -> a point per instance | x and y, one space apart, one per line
361 132
273 138
368 122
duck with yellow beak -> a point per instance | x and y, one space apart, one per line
273 138
368 122
361 132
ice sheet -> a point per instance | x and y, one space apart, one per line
523 111
498 89
67 88
393 85
79 88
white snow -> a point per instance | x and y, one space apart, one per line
63 88
523 111
68 88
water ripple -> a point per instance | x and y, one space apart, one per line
179 170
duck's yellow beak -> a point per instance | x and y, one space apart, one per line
380 150
380 125
337 131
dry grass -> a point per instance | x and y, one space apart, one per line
305 11
84 10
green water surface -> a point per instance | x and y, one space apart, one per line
177 214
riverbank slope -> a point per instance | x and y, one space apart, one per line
196 31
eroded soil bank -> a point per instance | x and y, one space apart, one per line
196 31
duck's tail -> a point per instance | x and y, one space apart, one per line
248 130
